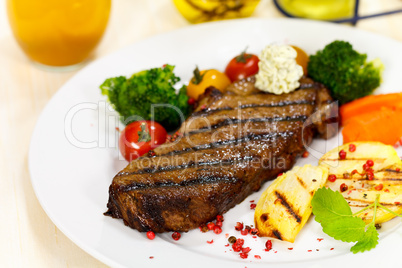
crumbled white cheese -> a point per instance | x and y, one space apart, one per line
278 71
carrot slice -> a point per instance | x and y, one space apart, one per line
369 104
383 125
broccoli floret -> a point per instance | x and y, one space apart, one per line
345 71
148 95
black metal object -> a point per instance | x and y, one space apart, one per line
352 20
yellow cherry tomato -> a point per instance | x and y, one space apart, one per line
204 79
302 58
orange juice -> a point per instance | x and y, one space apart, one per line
58 32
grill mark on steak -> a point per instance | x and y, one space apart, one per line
236 170
187 165
227 133
279 104
253 147
233 101
229 142
237 121
259 114
211 111
202 180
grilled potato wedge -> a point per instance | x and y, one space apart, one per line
285 205
361 191
384 156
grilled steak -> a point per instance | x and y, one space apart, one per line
226 149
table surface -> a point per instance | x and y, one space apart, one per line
28 237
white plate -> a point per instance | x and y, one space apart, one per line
73 155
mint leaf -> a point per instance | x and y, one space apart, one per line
369 241
334 214
329 206
347 229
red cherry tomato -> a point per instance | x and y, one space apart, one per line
242 66
140 137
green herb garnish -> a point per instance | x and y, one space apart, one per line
243 57
337 220
197 79
143 134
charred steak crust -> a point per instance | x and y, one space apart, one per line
229 146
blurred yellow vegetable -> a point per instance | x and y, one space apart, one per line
196 11
204 79
284 208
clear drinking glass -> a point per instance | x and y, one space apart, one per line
58 33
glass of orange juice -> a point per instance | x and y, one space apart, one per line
58 33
